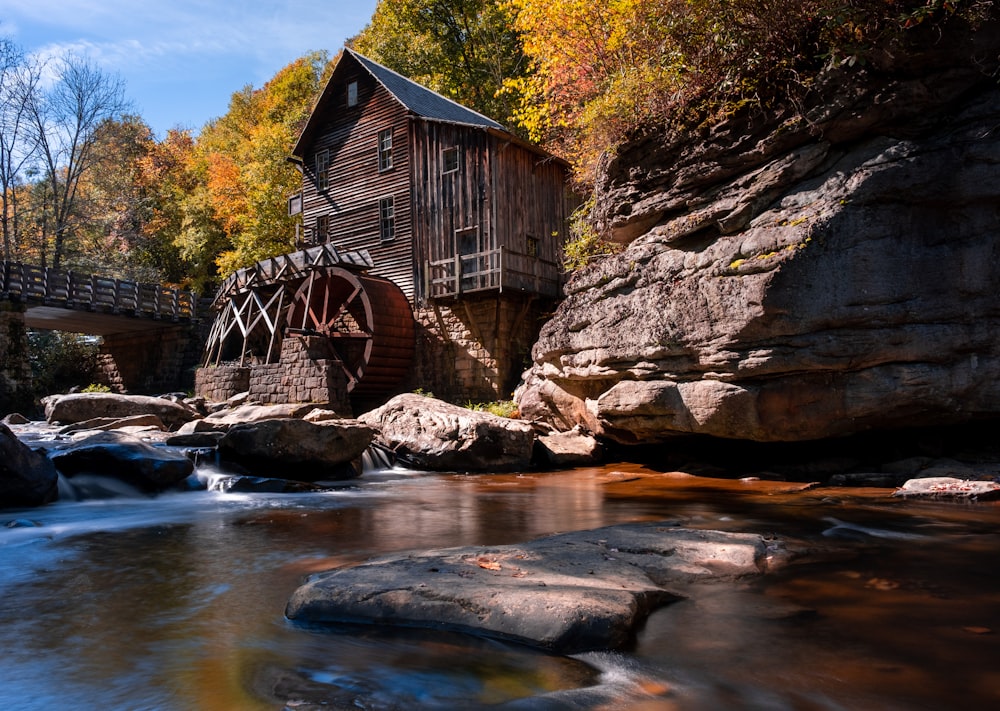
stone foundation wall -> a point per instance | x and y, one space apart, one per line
475 349
152 362
221 382
470 350
308 371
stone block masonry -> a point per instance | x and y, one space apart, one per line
154 361
475 349
308 371
219 383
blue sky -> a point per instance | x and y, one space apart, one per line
182 59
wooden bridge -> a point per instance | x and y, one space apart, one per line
86 303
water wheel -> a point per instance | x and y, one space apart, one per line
368 321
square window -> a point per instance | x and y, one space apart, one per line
531 246
387 218
352 94
449 157
323 170
385 150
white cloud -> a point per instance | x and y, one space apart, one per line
195 46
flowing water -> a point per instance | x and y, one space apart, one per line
176 602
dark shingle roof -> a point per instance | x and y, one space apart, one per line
423 101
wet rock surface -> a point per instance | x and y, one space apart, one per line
298 449
27 478
567 593
122 456
948 488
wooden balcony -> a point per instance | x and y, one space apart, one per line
500 270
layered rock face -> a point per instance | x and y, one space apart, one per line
794 281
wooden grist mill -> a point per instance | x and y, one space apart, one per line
311 326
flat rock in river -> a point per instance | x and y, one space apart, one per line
568 593
946 487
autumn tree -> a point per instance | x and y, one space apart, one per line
467 50
601 71
19 81
243 157
181 218
117 202
65 120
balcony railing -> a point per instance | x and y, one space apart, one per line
494 269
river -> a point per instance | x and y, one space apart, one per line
176 602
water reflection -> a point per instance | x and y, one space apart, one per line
177 602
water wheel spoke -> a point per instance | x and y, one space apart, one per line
345 306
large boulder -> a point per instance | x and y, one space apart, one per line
427 433
569 593
27 478
296 449
792 280
78 407
122 456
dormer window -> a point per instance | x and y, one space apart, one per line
323 170
385 150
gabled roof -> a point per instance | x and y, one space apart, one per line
417 99
421 100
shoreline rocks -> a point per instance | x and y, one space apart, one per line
942 487
122 456
79 407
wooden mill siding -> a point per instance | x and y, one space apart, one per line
351 136
445 203
494 222
529 197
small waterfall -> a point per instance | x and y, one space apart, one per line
66 490
377 458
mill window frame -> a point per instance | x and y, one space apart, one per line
450 160
387 218
385 150
322 169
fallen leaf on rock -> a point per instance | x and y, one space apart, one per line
487 563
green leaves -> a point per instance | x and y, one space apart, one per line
466 50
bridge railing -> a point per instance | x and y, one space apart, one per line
94 293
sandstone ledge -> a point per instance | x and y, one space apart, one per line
568 593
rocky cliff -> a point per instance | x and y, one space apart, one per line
796 275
